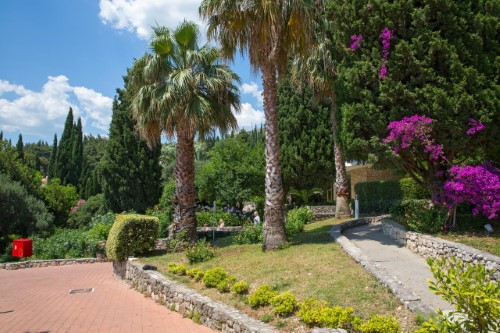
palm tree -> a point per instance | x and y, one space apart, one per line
318 70
269 30
183 90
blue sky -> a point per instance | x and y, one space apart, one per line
61 53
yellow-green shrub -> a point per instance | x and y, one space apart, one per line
177 269
284 303
195 273
261 296
317 313
214 276
225 285
131 234
380 324
240 288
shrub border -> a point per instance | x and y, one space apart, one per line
189 303
52 262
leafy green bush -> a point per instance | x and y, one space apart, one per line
101 226
225 285
284 304
83 216
380 324
200 252
240 288
177 269
473 292
267 317
64 244
195 273
261 296
380 196
59 199
296 219
420 215
229 219
314 312
249 234
214 276
131 234
165 220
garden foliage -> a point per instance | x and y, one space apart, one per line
296 219
200 252
131 234
420 215
65 244
249 234
214 276
470 288
261 296
284 304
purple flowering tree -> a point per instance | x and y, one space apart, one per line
477 185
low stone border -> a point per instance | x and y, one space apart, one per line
428 246
46 263
406 296
175 296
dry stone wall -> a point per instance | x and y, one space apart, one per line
186 301
428 246
46 263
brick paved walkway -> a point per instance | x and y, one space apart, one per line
37 300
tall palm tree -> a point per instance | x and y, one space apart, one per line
318 70
268 30
183 90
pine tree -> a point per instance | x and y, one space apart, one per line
20 148
65 151
130 170
53 159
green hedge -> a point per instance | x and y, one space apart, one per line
65 244
380 196
131 234
230 220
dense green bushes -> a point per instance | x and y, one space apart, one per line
131 234
200 252
229 219
83 216
296 219
420 215
249 234
380 196
65 244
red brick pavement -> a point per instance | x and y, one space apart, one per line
37 300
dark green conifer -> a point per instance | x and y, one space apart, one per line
65 151
53 159
20 148
130 170
77 154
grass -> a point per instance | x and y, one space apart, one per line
312 266
477 240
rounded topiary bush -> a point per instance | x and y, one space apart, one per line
261 296
131 234
214 276
284 303
240 288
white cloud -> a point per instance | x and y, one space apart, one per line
43 113
138 16
252 88
249 117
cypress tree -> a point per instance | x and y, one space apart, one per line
20 148
1 135
130 170
53 159
65 151
77 154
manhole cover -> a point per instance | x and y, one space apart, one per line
81 291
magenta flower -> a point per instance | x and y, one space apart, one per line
386 35
355 42
475 127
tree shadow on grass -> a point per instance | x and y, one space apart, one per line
319 235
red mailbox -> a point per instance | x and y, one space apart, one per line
22 248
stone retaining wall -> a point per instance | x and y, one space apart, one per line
427 246
186 301
322 212
46 263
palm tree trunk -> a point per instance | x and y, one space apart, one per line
274 212
185 194
341 185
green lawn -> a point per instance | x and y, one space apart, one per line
477 240
311 267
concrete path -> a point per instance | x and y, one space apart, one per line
408 268
37 300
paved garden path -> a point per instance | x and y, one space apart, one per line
396 261
37 300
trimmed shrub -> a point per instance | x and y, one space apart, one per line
420 215
380 196
131 234
195 273
200 252
314 312
177 269
380 324
214 276
249 234
296 219
284 304
240 288
261 296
